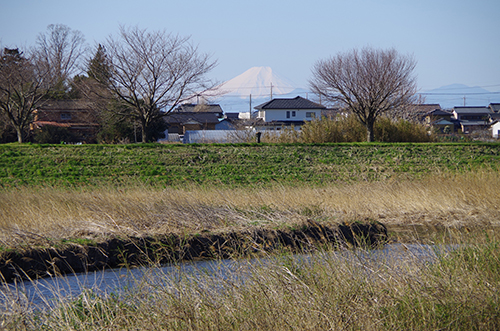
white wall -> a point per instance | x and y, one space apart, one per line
280 115
495 128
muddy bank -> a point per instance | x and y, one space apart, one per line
131 252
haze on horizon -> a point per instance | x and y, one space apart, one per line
452 41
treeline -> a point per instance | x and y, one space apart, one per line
130 81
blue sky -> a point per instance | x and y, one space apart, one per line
453 41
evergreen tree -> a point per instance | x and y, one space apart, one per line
98 68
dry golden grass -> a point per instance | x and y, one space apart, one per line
28 214
354 290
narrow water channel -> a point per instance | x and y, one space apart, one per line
47 291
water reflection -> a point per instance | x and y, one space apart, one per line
48 291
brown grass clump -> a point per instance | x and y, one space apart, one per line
28 214
342 128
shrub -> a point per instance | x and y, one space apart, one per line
50 134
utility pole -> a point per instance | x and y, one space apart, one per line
250 109
464 100
271 90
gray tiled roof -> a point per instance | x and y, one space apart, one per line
495 107
442 121
476 123
472 110
183 117
285 103
190 107
439 112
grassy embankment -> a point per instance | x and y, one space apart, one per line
55 193
60 192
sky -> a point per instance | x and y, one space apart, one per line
453 41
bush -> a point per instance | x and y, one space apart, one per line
50 134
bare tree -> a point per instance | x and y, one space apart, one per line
368 83
24 82
62 49
412 112
154 71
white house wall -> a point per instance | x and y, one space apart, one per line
280 115
495 128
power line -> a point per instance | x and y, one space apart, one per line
465 93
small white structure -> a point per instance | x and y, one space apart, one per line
495 129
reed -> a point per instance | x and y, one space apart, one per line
351 291
348 129
44 216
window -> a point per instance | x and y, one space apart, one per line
293 113
65 116
310 115
287 114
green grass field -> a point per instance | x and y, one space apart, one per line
234 164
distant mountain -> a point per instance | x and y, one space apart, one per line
253 87
260 82
453 95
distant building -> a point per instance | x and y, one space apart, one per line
191 117
441 120
283 112
75 115
180 122
472 118
421 111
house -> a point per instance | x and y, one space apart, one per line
437 114
180 122
281 112
231 121
441 120
421 111
75 115
472 118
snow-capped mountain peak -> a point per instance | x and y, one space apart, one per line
258 82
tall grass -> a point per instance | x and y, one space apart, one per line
47 215
336 129
458 291
349 129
